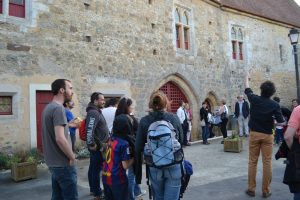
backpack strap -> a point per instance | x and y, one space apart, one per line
148 181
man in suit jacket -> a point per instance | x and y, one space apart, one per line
241 112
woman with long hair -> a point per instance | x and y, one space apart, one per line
126 107
165 182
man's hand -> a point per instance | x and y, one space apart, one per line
72 161
93 148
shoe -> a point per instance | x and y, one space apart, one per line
266 195
188 144
250 193
143 192
101 197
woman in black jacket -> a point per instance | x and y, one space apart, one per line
165 182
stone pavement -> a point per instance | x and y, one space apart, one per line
218 175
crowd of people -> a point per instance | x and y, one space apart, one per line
118 142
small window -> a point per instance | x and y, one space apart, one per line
241 50
234 49
186 38
0 6
185 20
240 34
177 16
177 36
5 105
233 34
17 8
281 52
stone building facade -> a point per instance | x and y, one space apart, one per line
132 48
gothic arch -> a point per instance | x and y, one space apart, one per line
212 100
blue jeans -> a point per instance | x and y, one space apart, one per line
133 188
296 196
94 172
205 133
64 183
116 192
166 182
278 135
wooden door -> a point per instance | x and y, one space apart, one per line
174 94
42 99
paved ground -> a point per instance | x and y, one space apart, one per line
217 176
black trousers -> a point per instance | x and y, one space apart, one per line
185 129
223 127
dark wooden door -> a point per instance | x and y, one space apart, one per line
174 94
42 99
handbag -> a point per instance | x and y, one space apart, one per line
202 122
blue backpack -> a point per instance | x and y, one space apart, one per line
162 148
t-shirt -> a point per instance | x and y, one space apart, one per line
295 120
109 115
70 117
113 171
262 113
54 115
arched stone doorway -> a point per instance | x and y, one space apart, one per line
180 89
174 94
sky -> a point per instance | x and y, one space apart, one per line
298 2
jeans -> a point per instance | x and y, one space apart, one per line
296 196
64 183
278 135
73 140
94 172
166 182
243 124
205 133
264 143
133 188
116 192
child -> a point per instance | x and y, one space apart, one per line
118 160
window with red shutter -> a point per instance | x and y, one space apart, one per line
241 50
5 105
17 8
234 49
177 37
186 38
0 6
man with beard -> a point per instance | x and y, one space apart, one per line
97 134
58 153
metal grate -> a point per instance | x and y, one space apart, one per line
174 94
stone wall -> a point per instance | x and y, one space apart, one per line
127 48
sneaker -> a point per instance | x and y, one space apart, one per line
266 195
250 193
101 197
143 192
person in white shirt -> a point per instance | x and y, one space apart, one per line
109 112
184 122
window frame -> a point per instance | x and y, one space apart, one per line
27 21
11 103
237 42
182 29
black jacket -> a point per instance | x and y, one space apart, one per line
292 170
262 113
96 129
141 137
245 109
204 115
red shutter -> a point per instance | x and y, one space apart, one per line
241 50
174 94
17 8
234 49
0 6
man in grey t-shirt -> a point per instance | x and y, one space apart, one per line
57 147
